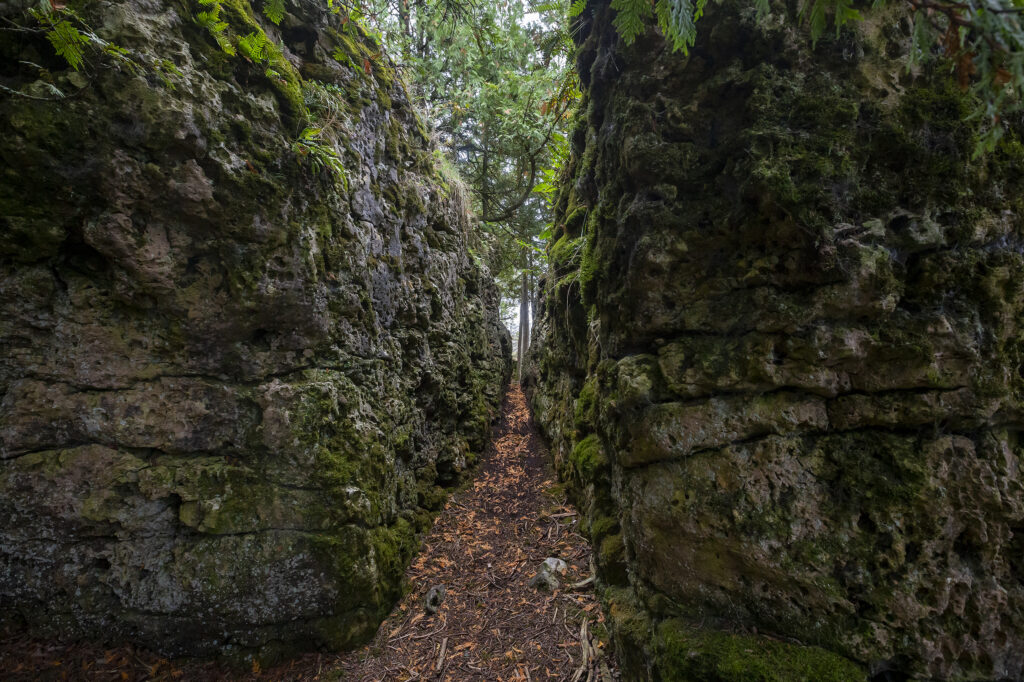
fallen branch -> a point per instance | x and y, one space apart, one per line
440 659
583 583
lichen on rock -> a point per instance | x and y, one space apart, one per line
780 356
234 380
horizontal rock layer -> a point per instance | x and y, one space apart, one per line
234 379
781 359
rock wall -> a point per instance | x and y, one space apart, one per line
234 381
781 356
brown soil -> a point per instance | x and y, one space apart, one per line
484 548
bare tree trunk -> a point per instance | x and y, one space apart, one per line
534 293
524 321
485 168
421 40
404 18
529 314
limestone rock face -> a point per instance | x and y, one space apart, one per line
781 358
234 382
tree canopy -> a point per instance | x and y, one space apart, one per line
495 81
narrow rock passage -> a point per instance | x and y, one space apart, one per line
485 548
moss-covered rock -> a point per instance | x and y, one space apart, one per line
692 654
781 374
234 381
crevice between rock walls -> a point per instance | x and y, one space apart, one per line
234 385
779 356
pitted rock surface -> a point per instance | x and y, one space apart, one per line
233 385
780 357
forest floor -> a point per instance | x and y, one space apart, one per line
486 546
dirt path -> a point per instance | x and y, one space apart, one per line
485 547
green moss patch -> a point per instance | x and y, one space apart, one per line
686 653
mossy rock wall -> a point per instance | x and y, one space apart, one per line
780 356
233 384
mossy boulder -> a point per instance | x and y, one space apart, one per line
235 379
781 373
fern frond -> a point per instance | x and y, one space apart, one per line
274 10
815 12
309 147
844 13
678 21
255 46
67 41
630 17
211 20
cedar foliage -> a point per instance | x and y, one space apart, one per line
982 41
